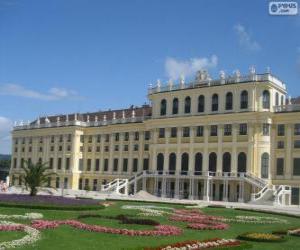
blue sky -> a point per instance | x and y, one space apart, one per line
65 56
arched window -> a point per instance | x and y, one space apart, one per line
160 163
212 163
172 163
201 104
184 163
215 102
276 99
163 107
242 163
175 106
266 99
187 105
198 164
244 99
282 100
265 165
229 101
226 163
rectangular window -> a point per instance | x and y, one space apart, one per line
126 137
116 147
80 164
57 182
59 161
67 163
174 132
52 139
135 147
125 164
243 129
81 138
135 165
69 137
105 165
89 149
61 138
146 164
147 135
297 129
117 137
186 132
266 129
280 144
227 129
279 166
106 148
98 138
297 144
52 148
296 166
95 183
146 147
59 148
97 165
106 138
65 182
116 162
15 163
125 147
98 149
89 165
214 130
80 184
280 129
161 133
199 131
90 139
136 136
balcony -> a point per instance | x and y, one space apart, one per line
287 108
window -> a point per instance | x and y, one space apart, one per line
242 163
107 138
106 148
16 141
61 138
57 182
69 148
175 106
59 161
52 148
186 132
41 149
30 149
161 133
15 163
173 132
80 164
98 138
147 135
97 165
98 149
265 165
244 100
172 163
65 182
198 164
160 163
226 168
280 129
81 148
95 182
215 103
279 166
146 164
90 139
296 169
126 137
282 100
201 103
89 149
136 147
52 139
117 136
41 139
125 147
116 162
297 129
135 165
229 101
266 129
184 163
89 165
199 131
136 136
67 163
163 107
297 144
280 144
276 99
227 129
125 164
214 130
266 99
105 165
243 129
146 147
116 147
187 105
212 165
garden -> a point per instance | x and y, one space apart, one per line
46 222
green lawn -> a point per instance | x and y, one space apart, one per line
65 237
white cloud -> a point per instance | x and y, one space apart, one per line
53 93
245 39
5 128
175 68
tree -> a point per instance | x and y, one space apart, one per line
36 175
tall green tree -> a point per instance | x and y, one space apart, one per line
36 175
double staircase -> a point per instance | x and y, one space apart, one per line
117 186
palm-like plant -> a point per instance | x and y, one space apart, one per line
36 175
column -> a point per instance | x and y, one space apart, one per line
220 149
163 187
191 195
205 152
176 196
206 194
234 150
288 152
241 191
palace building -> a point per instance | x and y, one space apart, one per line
236 138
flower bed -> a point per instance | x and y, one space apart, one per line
27 216
294 232
197 245
261 237
122 218
255 220
160 230
149 210
32 234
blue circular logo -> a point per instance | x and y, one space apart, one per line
274 7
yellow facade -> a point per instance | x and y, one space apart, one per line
209 139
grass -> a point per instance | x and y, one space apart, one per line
68 238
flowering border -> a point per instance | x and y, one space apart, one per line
27 216
261 237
